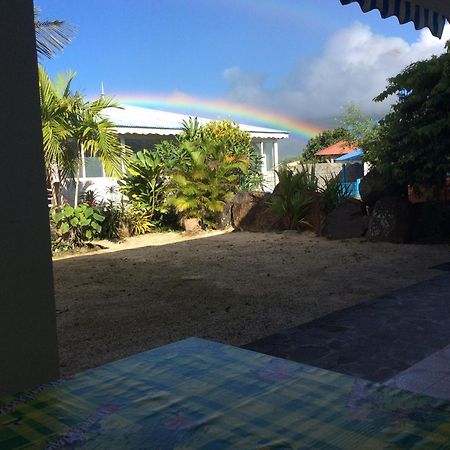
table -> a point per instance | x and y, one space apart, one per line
197 394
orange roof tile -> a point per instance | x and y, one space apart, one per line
340 148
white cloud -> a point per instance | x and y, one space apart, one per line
353 67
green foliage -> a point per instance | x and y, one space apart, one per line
333 193
294 196
125 220
138 220
51 35
115 225
211 177
195 174
145 183
354 127
191 130
411 145
71 124
432 223
90 198
238 143
173 155
359 126
323 140
74 227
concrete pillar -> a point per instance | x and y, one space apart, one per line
28 347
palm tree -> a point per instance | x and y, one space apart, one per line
200 190
95 135
72 125
56 100
51 35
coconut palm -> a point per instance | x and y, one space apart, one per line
51 35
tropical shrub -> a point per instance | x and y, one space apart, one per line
210 178
90 198
123 220
293 196
74 227
115 225
238 143
333 193
145 183
173 155
137 220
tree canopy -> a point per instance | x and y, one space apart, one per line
323 140
354 127
412 143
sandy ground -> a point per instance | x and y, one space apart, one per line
229 287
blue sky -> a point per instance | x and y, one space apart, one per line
302 58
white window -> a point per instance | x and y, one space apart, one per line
91 166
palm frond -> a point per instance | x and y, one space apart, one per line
51 35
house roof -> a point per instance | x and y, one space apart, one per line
354 156
340 148
137 120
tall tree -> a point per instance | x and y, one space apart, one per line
412 144
323 140
354 127
358 124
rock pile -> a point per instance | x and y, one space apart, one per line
378 216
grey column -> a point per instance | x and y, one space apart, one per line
28 346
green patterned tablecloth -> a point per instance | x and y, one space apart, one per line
196 394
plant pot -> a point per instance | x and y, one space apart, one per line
191 225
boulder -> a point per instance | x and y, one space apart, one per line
191 225
372 187
348 220
225 217
315 216
390 220
249 212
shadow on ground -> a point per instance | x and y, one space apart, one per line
234 288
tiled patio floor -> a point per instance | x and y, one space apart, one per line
430 376
393 339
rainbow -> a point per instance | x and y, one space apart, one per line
221 109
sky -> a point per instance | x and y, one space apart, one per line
286 64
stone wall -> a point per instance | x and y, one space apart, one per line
323 170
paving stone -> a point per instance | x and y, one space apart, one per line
445 266
441 389
376 339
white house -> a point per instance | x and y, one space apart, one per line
141 128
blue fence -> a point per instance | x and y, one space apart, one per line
352 188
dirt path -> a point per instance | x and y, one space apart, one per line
230 287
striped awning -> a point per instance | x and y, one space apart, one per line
423 13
